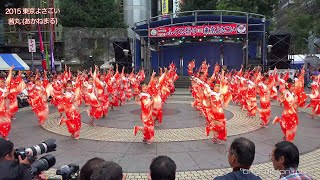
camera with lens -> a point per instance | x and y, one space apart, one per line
45 147
69 172
42 164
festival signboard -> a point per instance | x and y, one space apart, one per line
205 30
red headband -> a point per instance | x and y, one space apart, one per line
2 80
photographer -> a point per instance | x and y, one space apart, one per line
9 168
23 99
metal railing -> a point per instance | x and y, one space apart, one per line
197 13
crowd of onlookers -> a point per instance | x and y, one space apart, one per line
284 156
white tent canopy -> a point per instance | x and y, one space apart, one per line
7 60
299 58
108 64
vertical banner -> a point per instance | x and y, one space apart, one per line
176 7
32 45
165 8
47 58
52 25
43 61
53 67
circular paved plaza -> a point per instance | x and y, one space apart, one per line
181 136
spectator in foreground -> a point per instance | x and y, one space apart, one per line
285 157
240 156
89 166
108 171
162 168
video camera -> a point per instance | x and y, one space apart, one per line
42 164
69 172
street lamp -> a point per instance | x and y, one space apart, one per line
269 48
126 51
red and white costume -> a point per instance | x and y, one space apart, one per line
5 119
251 98
14 87
102 96
70 102
39 103
273 90
215 115
265 111
146 117
315 98
289 119
282 87
299 90
91 99
57 94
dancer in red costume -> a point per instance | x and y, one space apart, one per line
314 97
135 85
172 77
289 120
112 89
15 86
214 106
251 95
273 90
38 100
198 94
102 97
264 91
145 100
5 120
90 98
299 89
191 65
127 87
155 91
164 85
234 84
70 102
282 86
242 89
120 89
57 93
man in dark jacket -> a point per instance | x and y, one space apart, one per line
240 157
9 168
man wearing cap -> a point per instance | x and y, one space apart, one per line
9 168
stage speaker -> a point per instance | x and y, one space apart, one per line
278 50
123 56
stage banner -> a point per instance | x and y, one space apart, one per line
165 8
205 30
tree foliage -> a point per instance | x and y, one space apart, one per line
10 4
264 7
301 24
190 5
90 13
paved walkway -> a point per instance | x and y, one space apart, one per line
181 137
